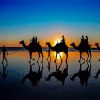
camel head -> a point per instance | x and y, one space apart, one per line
72 44
72 78
21 42
97 44
48 43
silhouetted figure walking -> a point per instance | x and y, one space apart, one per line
4 51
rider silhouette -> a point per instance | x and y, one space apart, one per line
4 51
82 41
86 41
63 40
33 41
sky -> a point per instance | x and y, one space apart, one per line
49 20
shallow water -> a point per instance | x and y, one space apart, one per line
15 85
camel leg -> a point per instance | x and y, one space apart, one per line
60 57
56 57
81 57
30 53
38 56
66 55
42 56
88 56
48 54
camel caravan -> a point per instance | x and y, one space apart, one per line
35 46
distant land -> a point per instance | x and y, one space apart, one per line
44 49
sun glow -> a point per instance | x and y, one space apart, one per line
57 41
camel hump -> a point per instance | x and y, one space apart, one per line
59 45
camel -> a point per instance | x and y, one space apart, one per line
83 75
97 45
60 47
33 48
82 49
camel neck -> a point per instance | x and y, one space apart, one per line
75 47
24 45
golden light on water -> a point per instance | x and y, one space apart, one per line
58 56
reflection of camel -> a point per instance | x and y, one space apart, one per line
33 48
4 73
97 45
58 74
33 76
60 47
48 66
83 75
82 49
97 74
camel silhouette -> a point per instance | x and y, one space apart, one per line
82 49
48 66
33 76
58 74
60 47
97 45
83 75
33 48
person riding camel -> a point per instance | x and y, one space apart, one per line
33 41
86 42
82 40
63 40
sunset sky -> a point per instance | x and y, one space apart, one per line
49 20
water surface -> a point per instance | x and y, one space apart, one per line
15 83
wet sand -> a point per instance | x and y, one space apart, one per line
11 76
